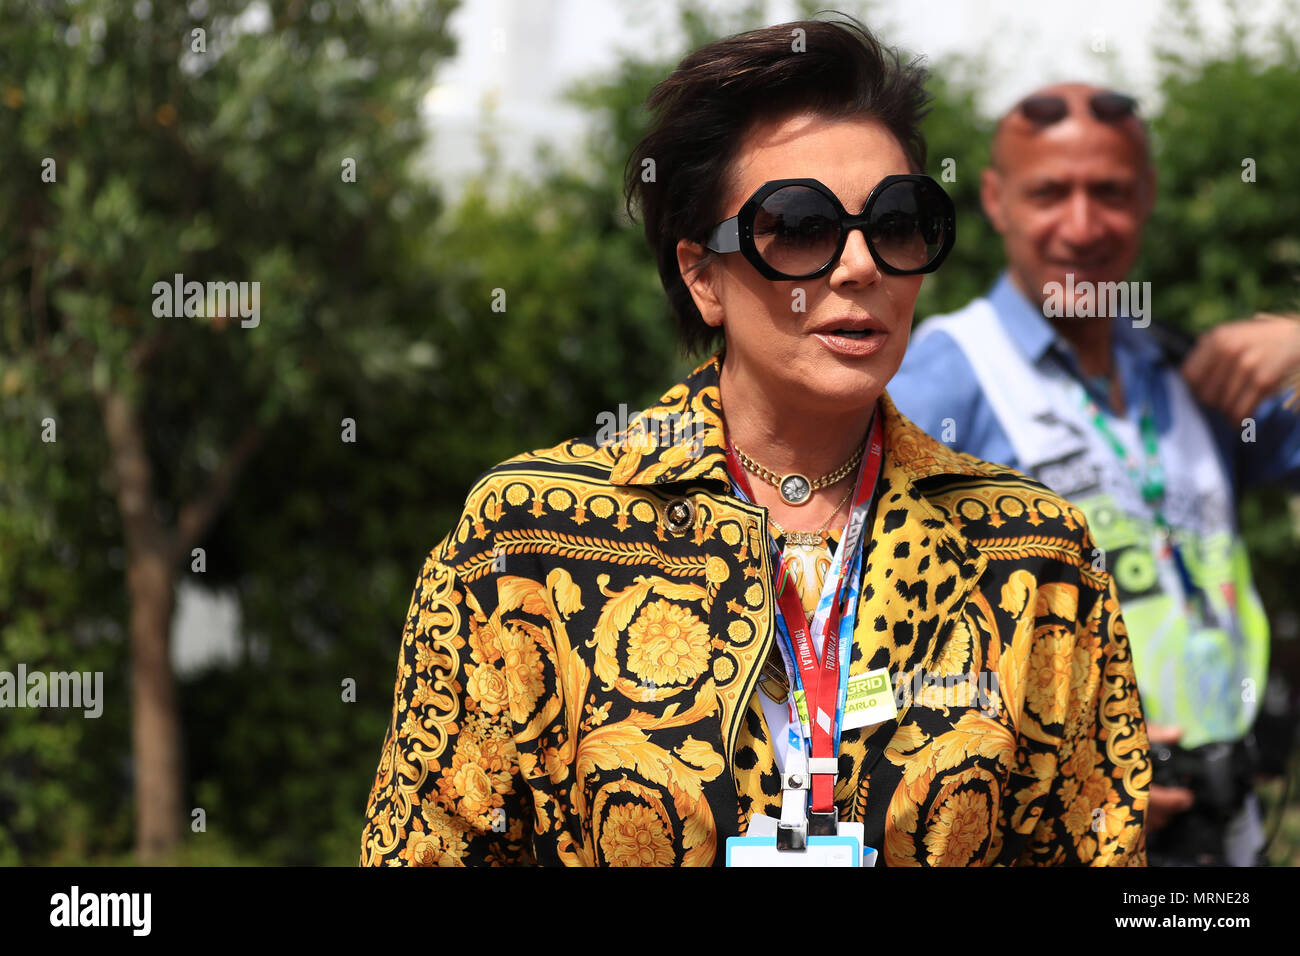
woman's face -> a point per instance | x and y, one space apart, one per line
780 337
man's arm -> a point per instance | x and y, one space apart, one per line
1248 371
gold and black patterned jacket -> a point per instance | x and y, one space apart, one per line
577 676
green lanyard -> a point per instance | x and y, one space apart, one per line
1150 479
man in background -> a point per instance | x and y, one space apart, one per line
1059 373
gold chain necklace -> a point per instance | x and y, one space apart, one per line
795 488
773 676
813 538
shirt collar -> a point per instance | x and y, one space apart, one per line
1139 341
1023 320
1035 335
692 410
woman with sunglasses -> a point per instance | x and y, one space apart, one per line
771 622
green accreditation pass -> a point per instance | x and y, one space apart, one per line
870 701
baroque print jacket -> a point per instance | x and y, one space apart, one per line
576 682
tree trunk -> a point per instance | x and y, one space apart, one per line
150 579
153 551
155 720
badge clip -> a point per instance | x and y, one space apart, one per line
792 830
824 824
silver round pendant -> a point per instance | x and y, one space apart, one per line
795 489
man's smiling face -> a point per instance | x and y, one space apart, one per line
1071 197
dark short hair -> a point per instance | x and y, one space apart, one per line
704 109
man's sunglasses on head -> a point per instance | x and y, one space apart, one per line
797 228
1048 108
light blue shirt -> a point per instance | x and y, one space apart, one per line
936 383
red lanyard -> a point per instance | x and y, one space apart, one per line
821 683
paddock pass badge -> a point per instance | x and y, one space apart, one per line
870 701
758 847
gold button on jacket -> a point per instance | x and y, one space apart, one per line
577 677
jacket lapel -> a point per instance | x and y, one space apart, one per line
918 572
679 438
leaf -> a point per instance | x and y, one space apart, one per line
1015 592
622 746
1060 599
514 593
701 755
679 592
614 619
973 735
568 596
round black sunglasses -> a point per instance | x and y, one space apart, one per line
797 228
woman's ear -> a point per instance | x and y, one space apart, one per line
694 262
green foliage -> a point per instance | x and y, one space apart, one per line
1220 247
957 139
61 608
222 165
